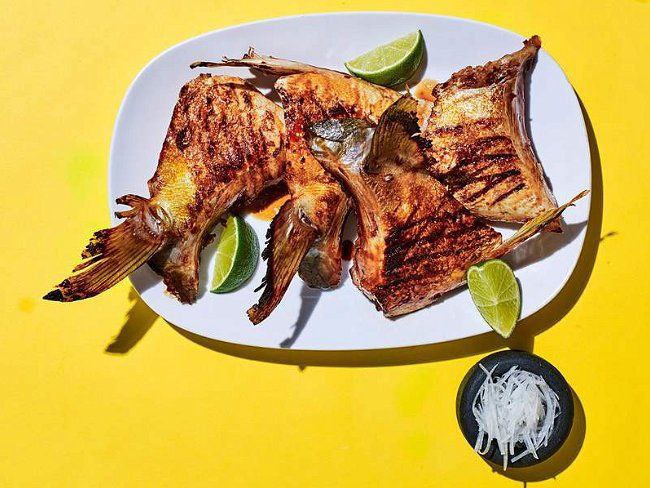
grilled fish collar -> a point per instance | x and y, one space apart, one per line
415 240
477 142
224 143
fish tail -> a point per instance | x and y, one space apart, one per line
288 239
263 63
321 266
113 253
530 228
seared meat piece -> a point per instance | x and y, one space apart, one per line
478 146
416 241
306 233
224 143
316 198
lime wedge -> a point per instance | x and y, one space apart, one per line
392 63
495 292
238 252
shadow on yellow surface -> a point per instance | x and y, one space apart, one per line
140 318
561 460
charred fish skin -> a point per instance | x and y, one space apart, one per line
224 143
477 142
415 240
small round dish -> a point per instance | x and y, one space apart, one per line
502 361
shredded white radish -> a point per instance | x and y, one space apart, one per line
517 407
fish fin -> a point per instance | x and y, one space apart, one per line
530 228
347 140
180 271
266 64
535 41
288 239
321 266
179 265
396 140
341 147
113 253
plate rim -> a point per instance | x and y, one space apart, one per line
583 129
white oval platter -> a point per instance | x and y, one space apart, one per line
343 319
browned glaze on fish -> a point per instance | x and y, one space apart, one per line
224 144
478 146
266 203
306 233
416 241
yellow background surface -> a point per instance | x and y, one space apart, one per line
104 393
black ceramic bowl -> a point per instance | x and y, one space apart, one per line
504 360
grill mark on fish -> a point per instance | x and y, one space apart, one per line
250 126
459 129
506 194
183 138
431 228
435 265
398 234
468 171
421 248
337 111
492 181
482 144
